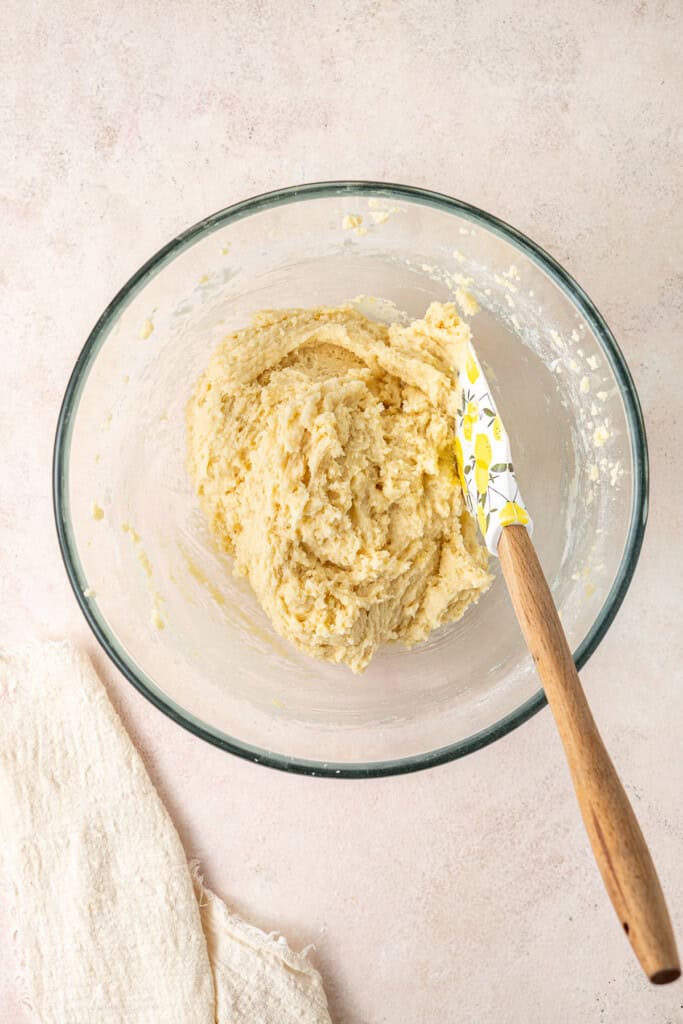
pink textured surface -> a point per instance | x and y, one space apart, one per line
466 893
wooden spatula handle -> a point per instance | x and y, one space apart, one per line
618 844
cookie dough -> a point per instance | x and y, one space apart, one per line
321 448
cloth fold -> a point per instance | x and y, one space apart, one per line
111 923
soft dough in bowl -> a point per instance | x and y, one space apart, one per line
321 447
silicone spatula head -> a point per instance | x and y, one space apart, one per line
484 458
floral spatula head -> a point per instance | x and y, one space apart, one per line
484 458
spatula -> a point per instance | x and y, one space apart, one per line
486 473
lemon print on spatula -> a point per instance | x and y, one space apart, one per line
482 450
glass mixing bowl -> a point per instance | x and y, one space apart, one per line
162 600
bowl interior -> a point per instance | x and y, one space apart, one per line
163 599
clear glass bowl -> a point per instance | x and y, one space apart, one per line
134 541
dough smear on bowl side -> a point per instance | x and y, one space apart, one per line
321 446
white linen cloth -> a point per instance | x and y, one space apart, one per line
111 924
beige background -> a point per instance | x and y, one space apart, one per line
464 894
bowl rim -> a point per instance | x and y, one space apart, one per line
303 193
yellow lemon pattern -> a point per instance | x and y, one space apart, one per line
470 418
472 368
483 459
512 513
482 464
